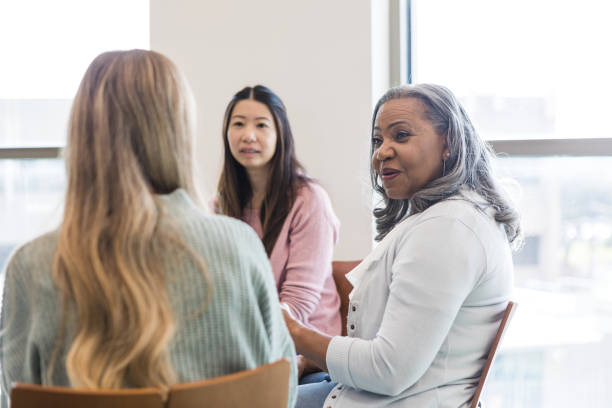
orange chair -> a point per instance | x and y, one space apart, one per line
38 396
266 386
344 287
476 403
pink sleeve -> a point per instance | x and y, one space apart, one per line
312 236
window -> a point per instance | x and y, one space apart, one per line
43 63
534 78
45 48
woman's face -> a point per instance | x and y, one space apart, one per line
408 153
252 134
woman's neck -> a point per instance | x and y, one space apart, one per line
259 184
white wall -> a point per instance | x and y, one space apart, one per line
316 54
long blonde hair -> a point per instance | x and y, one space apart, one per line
129 138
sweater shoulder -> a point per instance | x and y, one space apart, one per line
34 254
470 213
313 199
313 193
220 234
196 223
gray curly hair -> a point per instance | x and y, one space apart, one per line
469 164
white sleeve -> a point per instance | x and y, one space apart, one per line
434 269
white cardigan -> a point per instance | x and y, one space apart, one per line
424 311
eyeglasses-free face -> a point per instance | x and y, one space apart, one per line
407 151
252 134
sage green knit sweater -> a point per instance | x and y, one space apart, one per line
241 328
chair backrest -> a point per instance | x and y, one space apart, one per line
266 386
38 396
493 352
344 287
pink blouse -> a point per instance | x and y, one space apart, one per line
301 259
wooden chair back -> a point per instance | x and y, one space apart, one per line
38 396
493 353
344 287
266 386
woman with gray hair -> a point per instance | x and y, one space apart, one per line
426 303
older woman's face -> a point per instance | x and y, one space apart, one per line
408 153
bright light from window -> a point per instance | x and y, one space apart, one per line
47 45
525 69
540 69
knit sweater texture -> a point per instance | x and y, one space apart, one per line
302 259
241 327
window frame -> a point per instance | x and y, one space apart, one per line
401 59
21 153
536 148
553 147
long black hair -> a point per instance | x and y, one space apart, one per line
286 173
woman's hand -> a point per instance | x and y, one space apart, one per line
311 343
306 366
301 365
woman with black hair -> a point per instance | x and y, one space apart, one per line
263 184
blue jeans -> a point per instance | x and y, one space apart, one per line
313 389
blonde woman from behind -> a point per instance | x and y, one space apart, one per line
138 287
